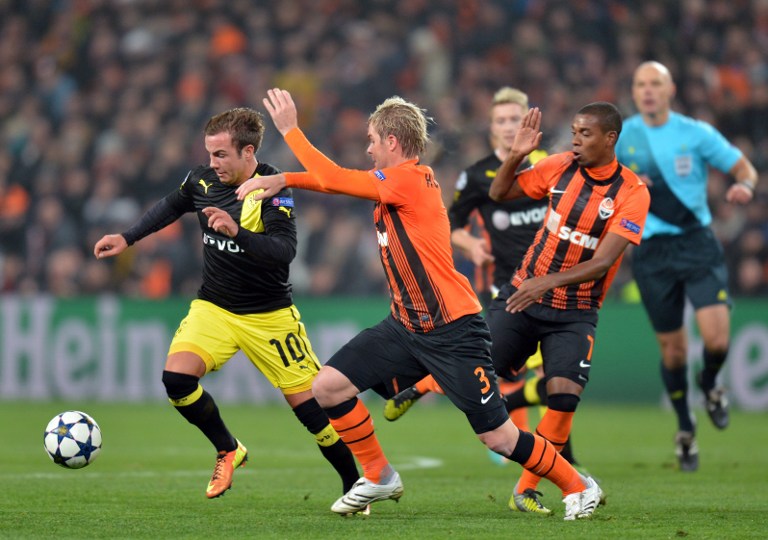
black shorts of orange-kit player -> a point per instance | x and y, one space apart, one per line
388 358
567 338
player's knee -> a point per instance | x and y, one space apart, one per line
496 442
563 402
501 440
674 351
179 385
330 387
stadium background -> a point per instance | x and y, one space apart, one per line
102 105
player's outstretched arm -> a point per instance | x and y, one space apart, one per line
530 290
109 246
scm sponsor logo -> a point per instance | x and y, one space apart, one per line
578 238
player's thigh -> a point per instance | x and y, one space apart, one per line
707 285
378 359
567 349
207 333
277 344
459 360
660 284
513 339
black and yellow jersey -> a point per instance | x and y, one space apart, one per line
509 226
244 274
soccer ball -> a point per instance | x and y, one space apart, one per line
72 439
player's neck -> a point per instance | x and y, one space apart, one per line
501 153
656 119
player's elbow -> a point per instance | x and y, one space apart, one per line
496 194
286 254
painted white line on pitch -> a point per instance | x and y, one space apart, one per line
418 462
410 464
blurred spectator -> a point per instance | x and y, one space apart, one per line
101 102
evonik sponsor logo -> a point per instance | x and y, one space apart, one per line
221 244
502 220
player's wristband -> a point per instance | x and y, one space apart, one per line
746 184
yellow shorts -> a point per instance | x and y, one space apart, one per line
275 342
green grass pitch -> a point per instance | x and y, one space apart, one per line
150 478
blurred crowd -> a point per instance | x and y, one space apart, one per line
102 105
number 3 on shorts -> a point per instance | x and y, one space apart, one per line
480 372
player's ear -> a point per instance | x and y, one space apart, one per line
248 151
391 142
611 137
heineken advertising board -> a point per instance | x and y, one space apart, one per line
114 349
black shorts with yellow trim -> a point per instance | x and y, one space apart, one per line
669 269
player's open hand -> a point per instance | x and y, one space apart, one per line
282 109
270 185
109 246
528 293
528 137
220 221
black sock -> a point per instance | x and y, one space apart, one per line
198 407
204 414
524 448
676 384
713 361
338 455
567 453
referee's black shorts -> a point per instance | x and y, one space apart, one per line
670 268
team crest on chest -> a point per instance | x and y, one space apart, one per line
606 208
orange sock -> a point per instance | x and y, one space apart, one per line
507 387
555 427
428 384
519 417
356 430
547 462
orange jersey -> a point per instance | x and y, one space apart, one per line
412 229
584 206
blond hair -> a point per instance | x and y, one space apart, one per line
406 121
510 95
